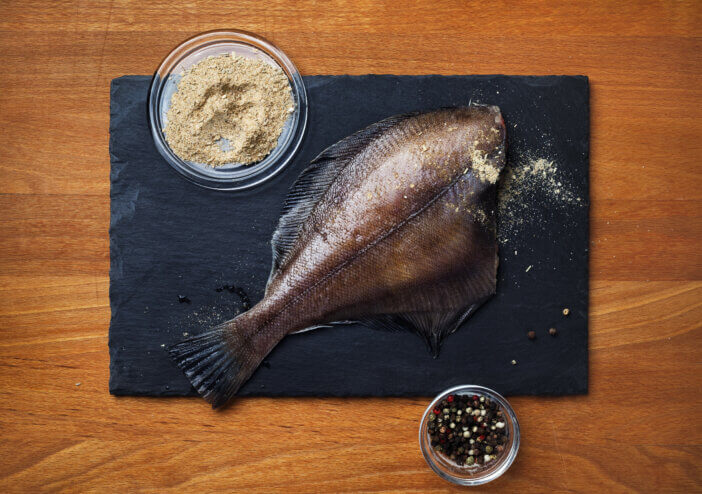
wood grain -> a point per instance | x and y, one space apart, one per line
638 429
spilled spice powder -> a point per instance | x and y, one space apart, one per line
228 109
525 183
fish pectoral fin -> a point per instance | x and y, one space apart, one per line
323 326
432 326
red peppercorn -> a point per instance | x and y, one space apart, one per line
450 398
481 437
475 397
437 411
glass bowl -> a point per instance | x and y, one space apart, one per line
474 474
231 176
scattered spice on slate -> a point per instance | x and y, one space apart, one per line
552 331
468 430
514 362
531 335
566 311
183 299
527 182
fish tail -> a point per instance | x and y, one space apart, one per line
219 361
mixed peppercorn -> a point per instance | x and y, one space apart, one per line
468 430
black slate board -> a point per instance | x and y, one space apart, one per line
170 238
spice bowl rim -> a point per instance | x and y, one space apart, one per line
470 476
228 177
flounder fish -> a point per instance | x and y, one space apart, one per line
393 226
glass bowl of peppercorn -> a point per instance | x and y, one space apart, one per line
469 435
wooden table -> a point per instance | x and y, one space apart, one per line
638 429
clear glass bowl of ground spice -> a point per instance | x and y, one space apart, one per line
227 110
469 435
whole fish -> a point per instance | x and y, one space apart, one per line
393 226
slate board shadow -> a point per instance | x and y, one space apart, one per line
170 238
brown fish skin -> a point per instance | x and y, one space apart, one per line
400 224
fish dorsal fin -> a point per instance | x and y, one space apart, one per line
314 181
433 327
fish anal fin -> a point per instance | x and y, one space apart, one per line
385 322
432 326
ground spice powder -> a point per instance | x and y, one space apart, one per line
228 109
526 182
